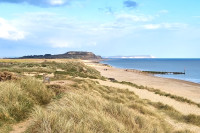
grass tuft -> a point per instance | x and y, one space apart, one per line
171 112
37 90
17 99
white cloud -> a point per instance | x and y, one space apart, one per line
169 26
196 16
57 2
58 43
57 31
163 11
152 26
134 18
9 32
174 26
41 3
92 43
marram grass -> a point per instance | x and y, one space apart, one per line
88 107
17 99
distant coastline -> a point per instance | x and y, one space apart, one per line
131 57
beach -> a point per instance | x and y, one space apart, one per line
181 88
93 92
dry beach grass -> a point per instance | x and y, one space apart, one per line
79 99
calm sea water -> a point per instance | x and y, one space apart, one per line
192 67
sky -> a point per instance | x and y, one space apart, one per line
161 28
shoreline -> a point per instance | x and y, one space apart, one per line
187 89
151 74
141 72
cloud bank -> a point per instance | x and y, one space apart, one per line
9 32
57 31
41 3
130 4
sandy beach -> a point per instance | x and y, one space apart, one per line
181 88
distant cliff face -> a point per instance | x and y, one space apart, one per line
78 55
68 55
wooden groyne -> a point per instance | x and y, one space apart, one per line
158 72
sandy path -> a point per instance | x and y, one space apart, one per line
184 108
177 87
21 127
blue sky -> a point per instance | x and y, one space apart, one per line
164 29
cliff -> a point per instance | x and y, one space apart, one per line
68 55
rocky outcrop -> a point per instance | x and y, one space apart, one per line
68 55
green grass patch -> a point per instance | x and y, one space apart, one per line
71 68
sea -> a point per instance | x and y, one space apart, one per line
190 66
